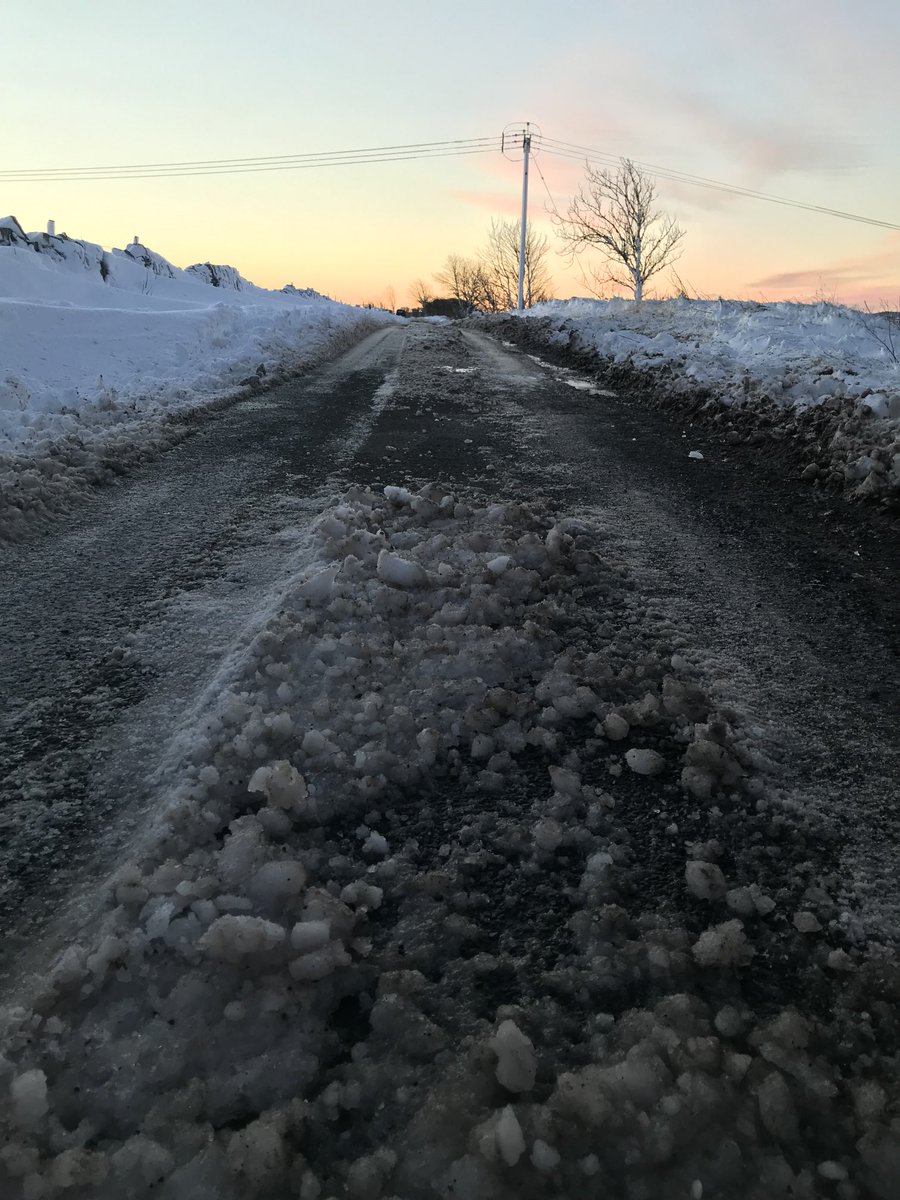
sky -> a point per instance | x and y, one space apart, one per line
794 98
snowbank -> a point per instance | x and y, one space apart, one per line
98 348
414 922
816 369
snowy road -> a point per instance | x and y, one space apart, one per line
74 601
575 868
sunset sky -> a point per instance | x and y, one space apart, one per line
791 97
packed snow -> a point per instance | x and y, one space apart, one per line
816 369
102 351
798 354
463 889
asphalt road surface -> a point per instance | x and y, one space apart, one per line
787 595
117 623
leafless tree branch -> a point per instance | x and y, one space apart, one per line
613 212
500 262
884 327
420 293
490 281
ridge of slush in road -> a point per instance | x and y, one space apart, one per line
106 643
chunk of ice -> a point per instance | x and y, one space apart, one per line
723 945
516 1060
705 881
232 938
508 1137
644 762
400 572
544 1157
28 1093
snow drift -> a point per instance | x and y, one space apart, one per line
98 348
822 377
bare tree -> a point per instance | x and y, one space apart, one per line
683 290
490 282
614 212
884 327
500 265
420 293
464 280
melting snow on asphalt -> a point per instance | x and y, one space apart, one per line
778 363
801 354
464 888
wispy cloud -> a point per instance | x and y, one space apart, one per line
813 277
762 149
760 124
870 277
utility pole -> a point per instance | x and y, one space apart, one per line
526 148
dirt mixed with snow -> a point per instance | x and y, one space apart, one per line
465 888
811 384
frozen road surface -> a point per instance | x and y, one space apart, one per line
428 781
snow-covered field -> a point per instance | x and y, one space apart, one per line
463 888
100 349
782 358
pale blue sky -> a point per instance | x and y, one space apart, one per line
795 98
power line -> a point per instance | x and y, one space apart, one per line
405 152
570 150
267 158
376 154
546 188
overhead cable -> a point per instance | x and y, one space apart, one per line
570 150
234 166
406 152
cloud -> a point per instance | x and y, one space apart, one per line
867 277
763 148
756 124
689 196
819 277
